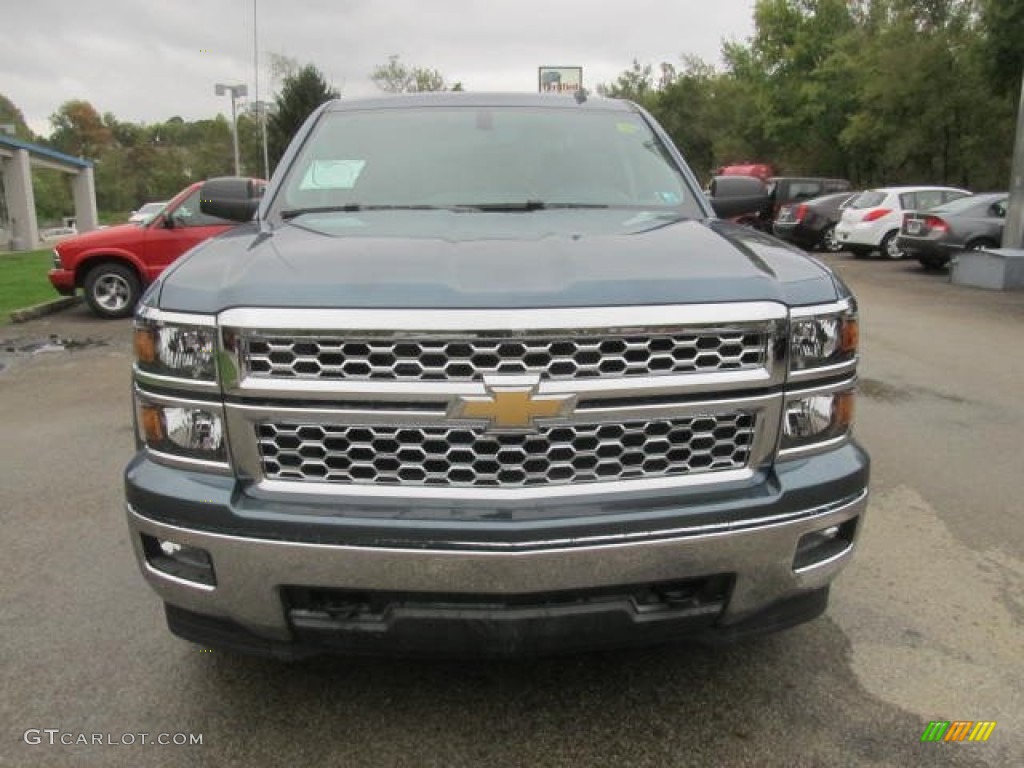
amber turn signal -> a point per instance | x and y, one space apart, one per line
152 424
145 345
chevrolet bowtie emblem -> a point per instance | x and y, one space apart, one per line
512 407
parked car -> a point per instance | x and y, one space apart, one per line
146 212
970 223
871 222
113 265
789 189
812 224
762 171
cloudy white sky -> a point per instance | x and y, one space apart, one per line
147 61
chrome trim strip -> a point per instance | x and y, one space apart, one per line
158 380
393 321
161 399
821 389
171 577
288 488
803 451
175 318
690 530
442 391
184 462
838 369
435 418
827 561
844 305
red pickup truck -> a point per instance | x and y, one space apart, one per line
114 265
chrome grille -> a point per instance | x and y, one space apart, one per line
471 457
470 358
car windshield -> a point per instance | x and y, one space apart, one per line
483 158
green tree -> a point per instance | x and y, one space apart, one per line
11 115
396 77
79 130
301 93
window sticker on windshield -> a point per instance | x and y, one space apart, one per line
627 127
332 174
670 197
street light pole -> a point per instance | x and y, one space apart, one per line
236 92
261 115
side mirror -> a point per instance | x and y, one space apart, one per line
230 197
737 195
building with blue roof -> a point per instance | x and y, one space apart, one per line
19 229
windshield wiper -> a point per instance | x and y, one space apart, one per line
354 207
526 205
532 205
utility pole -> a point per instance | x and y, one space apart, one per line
236 91
261 107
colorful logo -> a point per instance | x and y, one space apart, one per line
958 730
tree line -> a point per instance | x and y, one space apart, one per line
876 91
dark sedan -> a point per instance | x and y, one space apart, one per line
933 237
812 224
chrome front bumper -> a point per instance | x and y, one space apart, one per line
251 572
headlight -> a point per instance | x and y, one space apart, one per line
822 339
56 260
176 346
193 431
816 419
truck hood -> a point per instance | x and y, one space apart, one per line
448 260
100 237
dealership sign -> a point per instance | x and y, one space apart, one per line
560 79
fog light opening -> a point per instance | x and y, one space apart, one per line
179 560
819 547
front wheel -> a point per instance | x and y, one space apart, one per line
112 290
890 248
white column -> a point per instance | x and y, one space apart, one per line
83 189
21 203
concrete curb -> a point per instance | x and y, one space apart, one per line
46 308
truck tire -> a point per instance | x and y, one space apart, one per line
112 290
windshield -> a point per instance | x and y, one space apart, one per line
490 158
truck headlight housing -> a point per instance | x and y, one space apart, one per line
176 346
190 431
823 337
816 419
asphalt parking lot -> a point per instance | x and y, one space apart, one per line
926 624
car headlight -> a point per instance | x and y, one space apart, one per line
56 260
823 338
816 419
192 431
176 346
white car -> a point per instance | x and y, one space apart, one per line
872 221
146 212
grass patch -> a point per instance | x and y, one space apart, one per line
23 281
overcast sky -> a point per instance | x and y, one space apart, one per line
148 61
